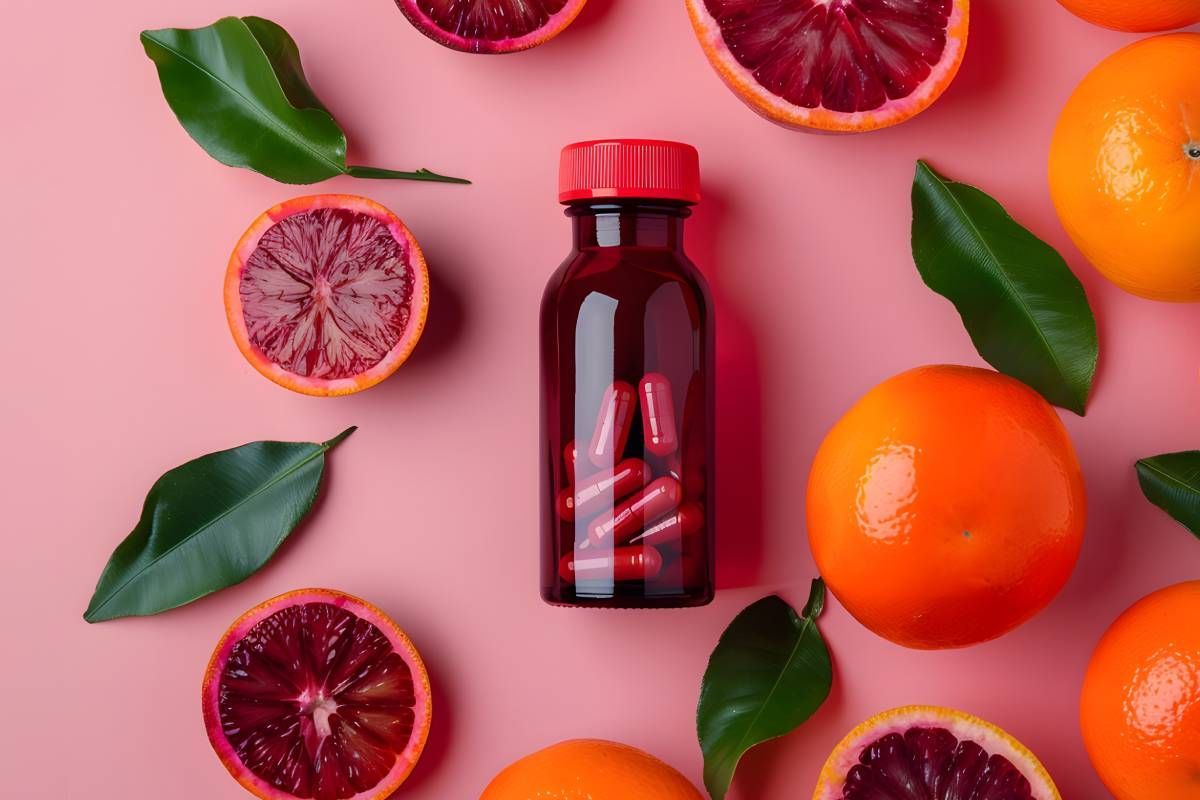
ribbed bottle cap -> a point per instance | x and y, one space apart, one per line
644 168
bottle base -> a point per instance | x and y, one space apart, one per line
567 597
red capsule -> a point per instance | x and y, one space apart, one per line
658 414
613 423
622 564
570 455
672 529
602 489
627 519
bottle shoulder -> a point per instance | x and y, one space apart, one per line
628 272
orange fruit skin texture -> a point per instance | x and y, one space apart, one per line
1140 708
589 769
1138 16
1125 167
946 507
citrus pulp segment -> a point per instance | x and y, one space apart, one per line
834 65
931 753
491 26
318 695
327 294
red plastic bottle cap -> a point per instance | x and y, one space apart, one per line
645 168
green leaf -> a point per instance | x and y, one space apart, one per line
238 88
281 50
769 672
209 524
1172 482
1026 312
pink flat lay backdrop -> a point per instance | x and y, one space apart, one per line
119 365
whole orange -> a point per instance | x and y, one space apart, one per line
1140 709
1140 16
946 507
590 769
1125 167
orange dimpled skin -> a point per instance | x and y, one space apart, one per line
1140 708
1125 167
589 769
1140 16
946 507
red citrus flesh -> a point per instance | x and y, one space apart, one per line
491 26
317 694
838 65
327 294
929 753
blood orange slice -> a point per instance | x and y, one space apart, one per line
834 65
317 694
929 753
327 294
491 26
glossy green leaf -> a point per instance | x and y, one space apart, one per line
238 88
1172 482
769 672
281 50
1026 312
209 524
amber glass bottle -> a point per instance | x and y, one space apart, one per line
627 387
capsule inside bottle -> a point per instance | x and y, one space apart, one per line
613 423
673 529
601 490
628 518
570 455
658 414
619 565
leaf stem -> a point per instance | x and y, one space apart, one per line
816 600
357 171
335 441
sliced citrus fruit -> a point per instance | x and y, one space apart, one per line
930 753
589 769
327 294
491 26
317 694
834 65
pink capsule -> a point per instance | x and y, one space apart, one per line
570 455
658 414
672 529
622 564
613 423
628 518
603 489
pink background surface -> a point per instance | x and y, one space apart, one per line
119 366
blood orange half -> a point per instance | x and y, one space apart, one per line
491 26
929 753
327 294
834 65
317 694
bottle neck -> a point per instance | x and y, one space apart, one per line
628 223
